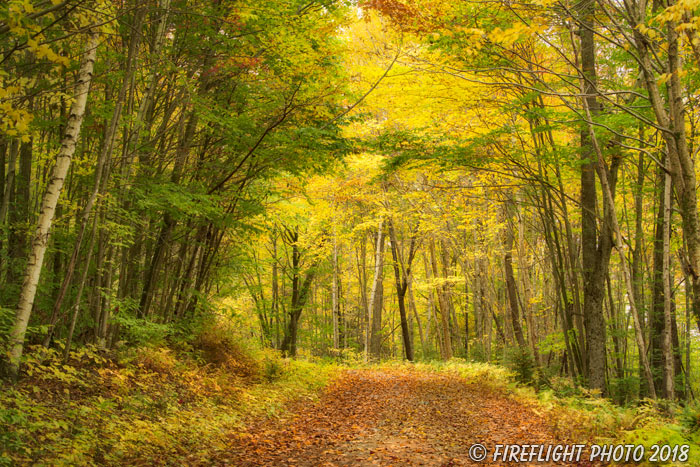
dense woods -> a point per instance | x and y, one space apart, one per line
502 182
139 140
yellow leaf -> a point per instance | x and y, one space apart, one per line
663 78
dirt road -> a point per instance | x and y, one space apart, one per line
393 418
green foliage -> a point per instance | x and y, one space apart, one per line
140 331
690 417
521 361
553 342
478 353
273 370
660 433
564 388
10 438
624 389
6 319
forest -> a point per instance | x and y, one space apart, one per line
209 209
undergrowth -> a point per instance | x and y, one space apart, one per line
178 402
183 400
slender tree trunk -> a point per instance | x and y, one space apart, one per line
274 307
364 302
525 303
401 277
446 341
9 185
3 161
688 293
637 261
81 286
48 208
337 318
8 190
431 301
656 312
466 309
104 156
512 290
169 222
375 297
300 295
668 343
412 307
19 217
106 304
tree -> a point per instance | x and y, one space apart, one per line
50 200
402 272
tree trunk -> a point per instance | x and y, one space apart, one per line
9 182
81 286
363 300
300 294
446 341
671 118
512 289
19 217
609 200
593 270
412 307
637 261
668 343
656 312
169 222
375 298
104 156
526 301
48 208
337 316
401 272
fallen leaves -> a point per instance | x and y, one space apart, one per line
392 418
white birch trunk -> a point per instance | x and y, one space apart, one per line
48 206
378 266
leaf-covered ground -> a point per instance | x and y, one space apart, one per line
215 405
393 417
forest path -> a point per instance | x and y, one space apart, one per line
392 418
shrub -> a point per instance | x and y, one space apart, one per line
347 356
141 332
215 346
623 390
478 352
273 369
564 387
10 439
522 362
157 360
690 417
